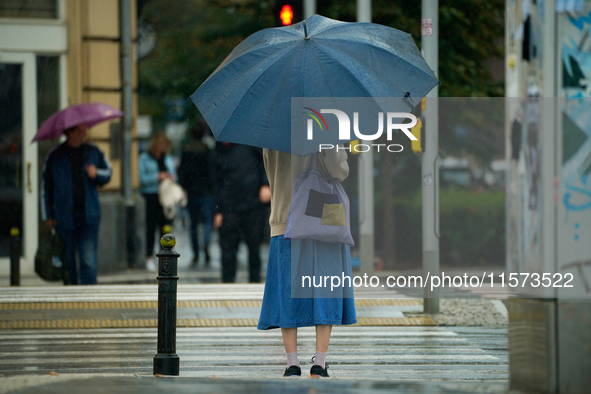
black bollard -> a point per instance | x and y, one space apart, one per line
15 255
166 362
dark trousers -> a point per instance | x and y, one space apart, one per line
155 219
237 226
200 209
84 240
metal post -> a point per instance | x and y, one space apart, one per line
364 11
166 362
127 106
366 184
309 8
429 166
15 255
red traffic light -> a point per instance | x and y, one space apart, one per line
286 15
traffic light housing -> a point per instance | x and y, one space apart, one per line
288 12
353 147
418 146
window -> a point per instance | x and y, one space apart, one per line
40 9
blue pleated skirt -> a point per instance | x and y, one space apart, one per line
282 309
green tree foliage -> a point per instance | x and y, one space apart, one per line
470 35
470 40
192 38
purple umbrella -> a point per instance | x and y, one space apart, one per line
89 114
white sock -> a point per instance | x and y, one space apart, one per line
320 359
292 359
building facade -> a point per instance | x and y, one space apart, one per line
54 53
548 145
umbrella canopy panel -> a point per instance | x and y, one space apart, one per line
89 114
247 99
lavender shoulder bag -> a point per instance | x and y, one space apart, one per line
319 208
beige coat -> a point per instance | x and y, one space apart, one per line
282 171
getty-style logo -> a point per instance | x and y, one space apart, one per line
345 127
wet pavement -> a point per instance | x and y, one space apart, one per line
112 330
188 272
147 385
243 352
243 359
59 339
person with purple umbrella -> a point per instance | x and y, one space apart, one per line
72 173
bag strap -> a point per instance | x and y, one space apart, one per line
314 161
314 167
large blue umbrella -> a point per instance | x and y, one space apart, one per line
247 99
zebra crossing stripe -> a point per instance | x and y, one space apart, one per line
356 352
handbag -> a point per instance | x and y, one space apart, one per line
319 208
50 259
171 194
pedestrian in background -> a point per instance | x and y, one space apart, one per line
71 175
195 177
240 190
279 309
155 165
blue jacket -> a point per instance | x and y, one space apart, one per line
57 191
149 172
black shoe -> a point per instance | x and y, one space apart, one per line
292 371
318 372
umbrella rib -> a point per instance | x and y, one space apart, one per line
335 26
399 57
344 68
241 53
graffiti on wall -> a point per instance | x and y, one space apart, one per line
574 227
531 184
576 152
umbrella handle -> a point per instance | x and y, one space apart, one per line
412 103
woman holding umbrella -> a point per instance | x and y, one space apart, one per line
280 309
248 100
